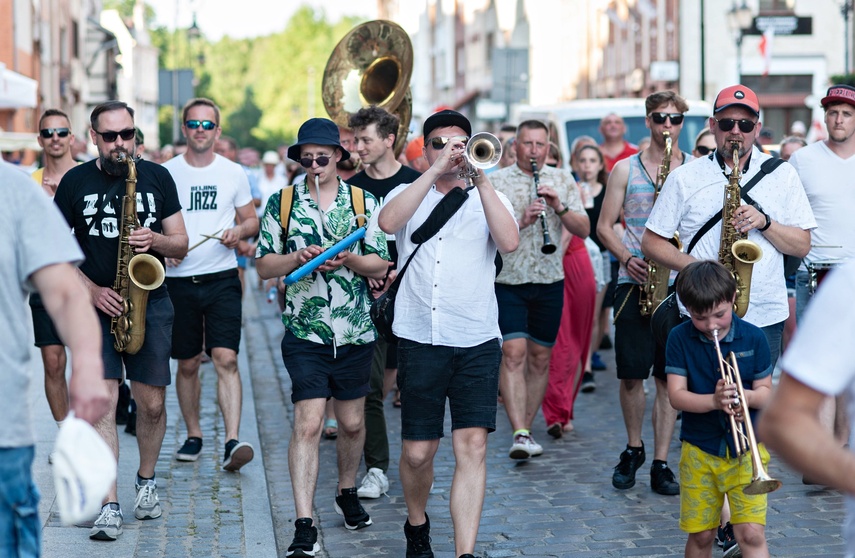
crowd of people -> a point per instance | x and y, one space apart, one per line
553 254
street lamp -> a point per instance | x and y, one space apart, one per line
845 8
739 20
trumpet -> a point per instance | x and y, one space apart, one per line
548 246
483 151
743 432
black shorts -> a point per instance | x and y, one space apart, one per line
530 311
318 371
43 329
635 348
429 374
150 365
207 313
610 288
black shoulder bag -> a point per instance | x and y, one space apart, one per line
383 308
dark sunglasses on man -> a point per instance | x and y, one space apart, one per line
440 141
322 161
205 124
48 133
127 135
727 124
659 117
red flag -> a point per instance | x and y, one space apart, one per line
765 48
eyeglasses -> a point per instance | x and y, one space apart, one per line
440 141
205 124
659 117
704 150
48 133
322 161
110 137
727 124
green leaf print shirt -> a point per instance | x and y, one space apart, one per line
331 307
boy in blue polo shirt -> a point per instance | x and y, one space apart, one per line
708 468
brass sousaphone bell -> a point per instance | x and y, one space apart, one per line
371 65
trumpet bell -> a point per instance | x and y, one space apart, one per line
762 485
483 150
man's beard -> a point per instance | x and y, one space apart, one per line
112 166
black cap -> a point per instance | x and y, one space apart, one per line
444 119
317 131
840 93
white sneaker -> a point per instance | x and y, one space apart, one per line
524 447
374 484
536 449
147 504
108 526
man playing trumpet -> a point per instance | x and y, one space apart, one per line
710 465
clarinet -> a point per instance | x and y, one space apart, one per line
548 247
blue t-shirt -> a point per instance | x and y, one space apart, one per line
693 356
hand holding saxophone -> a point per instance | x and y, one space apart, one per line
748 217
107 300
141 239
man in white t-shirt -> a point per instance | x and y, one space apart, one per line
204 286
819 363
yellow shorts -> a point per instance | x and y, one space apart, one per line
705 479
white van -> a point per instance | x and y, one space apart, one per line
582 118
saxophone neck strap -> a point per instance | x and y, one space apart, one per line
768 167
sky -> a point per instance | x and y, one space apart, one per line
250 18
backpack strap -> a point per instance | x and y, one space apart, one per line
287 201
357 202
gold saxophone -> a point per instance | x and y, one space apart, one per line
655 288
735 252
136 274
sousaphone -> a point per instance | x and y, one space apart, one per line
371 65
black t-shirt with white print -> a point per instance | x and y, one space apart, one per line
91 202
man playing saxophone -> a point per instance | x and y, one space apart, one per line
779 222
631 189
90 198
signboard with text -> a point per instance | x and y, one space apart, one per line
782 25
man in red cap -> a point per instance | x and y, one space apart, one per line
827 170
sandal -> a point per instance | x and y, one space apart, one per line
331 429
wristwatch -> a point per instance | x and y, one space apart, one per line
768 222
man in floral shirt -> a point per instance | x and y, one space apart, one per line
329 337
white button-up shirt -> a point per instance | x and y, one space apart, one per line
446 296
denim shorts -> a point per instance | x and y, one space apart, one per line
20 528
467 376
150 365
207 314
530 311
319 372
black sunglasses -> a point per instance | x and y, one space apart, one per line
440 141
322 161
48 133
110 137
727 124
704 150
205 124
659 117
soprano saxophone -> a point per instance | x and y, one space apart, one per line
735 252
136 274
655 288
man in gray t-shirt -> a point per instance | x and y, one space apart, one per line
36 253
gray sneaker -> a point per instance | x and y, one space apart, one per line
108 526
147 505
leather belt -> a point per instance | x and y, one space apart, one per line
210 276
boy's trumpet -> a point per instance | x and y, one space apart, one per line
743 432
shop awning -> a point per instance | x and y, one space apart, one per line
16 90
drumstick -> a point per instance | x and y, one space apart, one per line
204 240
210 236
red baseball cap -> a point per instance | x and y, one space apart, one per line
737 95
839 94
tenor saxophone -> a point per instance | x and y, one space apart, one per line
655 288
735 252
136 274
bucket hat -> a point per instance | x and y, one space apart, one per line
317 131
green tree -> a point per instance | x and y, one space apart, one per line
241 122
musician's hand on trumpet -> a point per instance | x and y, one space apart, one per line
726 398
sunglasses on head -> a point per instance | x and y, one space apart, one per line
727 124
440 141
48 133
205 124
322 161
659 117
704 150
110 137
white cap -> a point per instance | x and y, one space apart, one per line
798 127
84 469
270 158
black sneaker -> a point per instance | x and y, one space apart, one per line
727 541
467 556
588 384
630 460
191 450
662 479
123 404
237 455
305 541
606 343
355 516
418 539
